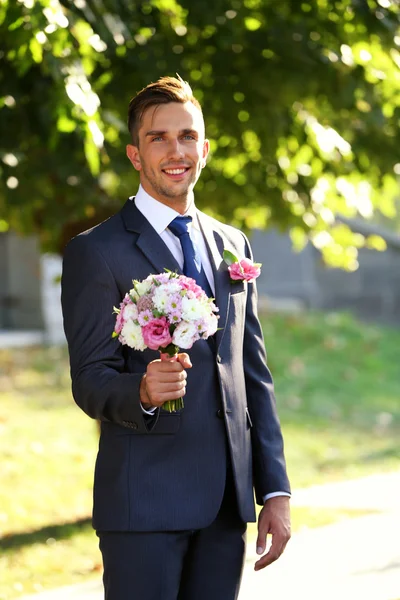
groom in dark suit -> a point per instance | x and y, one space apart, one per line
173 492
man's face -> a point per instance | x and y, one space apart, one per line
171 152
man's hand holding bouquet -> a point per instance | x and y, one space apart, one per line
165 312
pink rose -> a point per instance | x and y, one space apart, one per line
244 270
156 334
189 284
120 322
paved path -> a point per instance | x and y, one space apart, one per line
376 492
356 559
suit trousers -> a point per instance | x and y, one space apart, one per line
203 564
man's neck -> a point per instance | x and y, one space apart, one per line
180 204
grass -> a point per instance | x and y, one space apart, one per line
48 558
337 384
47 451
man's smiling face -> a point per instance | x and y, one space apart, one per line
171 152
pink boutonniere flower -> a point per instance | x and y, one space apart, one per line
241 270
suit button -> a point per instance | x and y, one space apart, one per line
220 413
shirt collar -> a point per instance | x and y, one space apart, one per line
158 214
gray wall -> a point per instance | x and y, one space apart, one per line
372 292
20 283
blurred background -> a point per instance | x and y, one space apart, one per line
302 108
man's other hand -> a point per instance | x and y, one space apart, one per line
274 519
164 380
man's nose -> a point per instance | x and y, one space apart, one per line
175 149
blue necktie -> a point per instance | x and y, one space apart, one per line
179 227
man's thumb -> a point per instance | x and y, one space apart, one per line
185 361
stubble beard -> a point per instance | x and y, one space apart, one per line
170 192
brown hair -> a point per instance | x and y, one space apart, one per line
163 91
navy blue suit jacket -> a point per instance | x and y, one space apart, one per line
168 472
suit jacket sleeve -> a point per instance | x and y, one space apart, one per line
99 384
267 443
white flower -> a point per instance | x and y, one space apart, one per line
192 309
142 287
131 335
130 312
160 297
133 293
185 335
210 324
172 286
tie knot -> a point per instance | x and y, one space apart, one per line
179 226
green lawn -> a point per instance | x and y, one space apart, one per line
337 384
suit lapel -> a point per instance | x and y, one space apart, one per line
148 241
215 246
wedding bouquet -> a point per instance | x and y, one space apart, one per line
165 312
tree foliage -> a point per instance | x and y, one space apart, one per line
301 101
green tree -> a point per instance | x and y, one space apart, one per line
301 100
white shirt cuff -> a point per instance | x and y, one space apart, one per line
151 411
274 494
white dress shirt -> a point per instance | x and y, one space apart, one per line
160 216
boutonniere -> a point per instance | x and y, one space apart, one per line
241 270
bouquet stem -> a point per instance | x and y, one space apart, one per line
171 354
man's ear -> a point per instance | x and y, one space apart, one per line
206 150
132 153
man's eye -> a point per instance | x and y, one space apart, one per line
157 139
188 136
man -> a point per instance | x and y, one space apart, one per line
173 491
